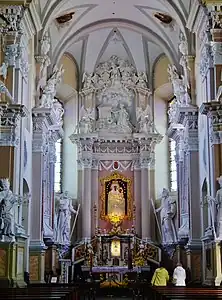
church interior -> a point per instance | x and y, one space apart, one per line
110 149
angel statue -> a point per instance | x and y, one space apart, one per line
179 86
142 79
87 118
89 80
49 91
144 119
64 210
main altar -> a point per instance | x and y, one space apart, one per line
116 139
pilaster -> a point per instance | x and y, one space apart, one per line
85 160
184 130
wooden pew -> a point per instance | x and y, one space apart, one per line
171 293
42 292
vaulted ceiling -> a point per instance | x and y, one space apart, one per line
93 30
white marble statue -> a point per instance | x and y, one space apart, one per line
59 111
144 119
122 118
216 212
183 48
45 44
4 90
4 70
64 210
179 86
142 79
167 214
219 94
87 118
49 91
8 203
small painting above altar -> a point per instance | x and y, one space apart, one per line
116 198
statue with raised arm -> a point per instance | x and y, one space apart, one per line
8 201
64 210
49 91
167 214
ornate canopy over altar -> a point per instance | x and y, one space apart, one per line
116 138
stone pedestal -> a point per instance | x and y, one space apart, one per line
20 260
36 263
8 263
217 263
193 255
50 259
65 264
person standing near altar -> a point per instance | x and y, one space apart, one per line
160 276
179 275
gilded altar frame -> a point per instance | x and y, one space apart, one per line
129 200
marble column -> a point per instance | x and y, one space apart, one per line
86 198
137 198
95 197
145 199
41 123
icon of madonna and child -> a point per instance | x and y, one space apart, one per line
116 198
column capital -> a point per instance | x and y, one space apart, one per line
10 114
47 118
213 110
85 163
216 48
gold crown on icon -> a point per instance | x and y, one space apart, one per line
115 182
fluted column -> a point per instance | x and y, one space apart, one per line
95 197
145 199
86 198
137 197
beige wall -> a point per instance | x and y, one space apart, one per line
160 72
70 76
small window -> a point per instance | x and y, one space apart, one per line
172 165
58 167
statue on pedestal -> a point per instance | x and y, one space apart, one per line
8 200
64 211
87 118
144 119
180 86
167 214
216 213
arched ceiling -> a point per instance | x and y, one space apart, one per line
127 28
